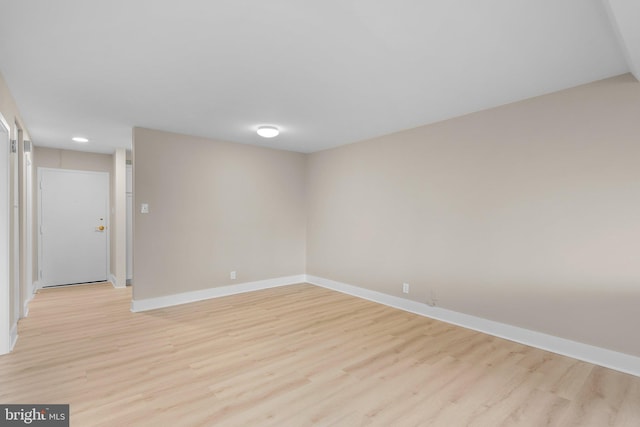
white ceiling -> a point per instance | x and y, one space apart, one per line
327 72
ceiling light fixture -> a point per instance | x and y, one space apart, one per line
79 139
268 131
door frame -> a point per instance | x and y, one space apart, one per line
28 227
39 171
6 343
16 278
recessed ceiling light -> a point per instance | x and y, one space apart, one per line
79 139
268 131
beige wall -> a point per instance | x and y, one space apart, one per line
215 207
527 214
10 113
70 159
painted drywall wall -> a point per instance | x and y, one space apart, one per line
70 159
11 114
118 258
214 207
526 214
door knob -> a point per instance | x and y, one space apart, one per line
101 228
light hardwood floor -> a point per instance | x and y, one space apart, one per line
293 356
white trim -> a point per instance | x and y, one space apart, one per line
16 276
26 303
222 291
114 281
13 337
5 211
600 356
28 230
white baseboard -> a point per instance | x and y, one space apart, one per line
203 294
32 295
599 356
25 308
13 337
113 280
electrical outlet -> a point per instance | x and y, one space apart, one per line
232 275
405 288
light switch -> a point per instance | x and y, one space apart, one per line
144 208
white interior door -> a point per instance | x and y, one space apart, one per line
73 216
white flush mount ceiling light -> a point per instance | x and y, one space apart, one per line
268 131
80 139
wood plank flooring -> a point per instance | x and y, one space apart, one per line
293 356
